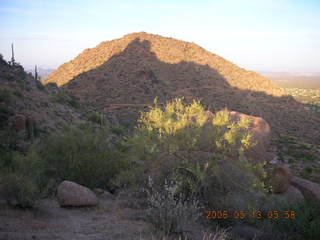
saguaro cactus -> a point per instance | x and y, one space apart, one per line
36 73
12 62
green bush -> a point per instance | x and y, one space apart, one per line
97 117
17 93
64 98
205 158
5 113
20 178
84 154
6 96
19 190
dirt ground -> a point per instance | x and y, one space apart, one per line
113 218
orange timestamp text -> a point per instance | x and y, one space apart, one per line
241 214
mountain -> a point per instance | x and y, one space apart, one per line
123 76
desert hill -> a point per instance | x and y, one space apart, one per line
29 110
122 76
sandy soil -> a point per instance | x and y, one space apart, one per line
111 219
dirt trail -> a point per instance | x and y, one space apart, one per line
111 219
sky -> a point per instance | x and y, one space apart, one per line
259 35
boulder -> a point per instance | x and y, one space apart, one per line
310 190
259 128
276 201
280 179
74 195
98 191
261 135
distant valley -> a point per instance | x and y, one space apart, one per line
294 80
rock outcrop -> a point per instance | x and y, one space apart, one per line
261 135
259 129
71 194
280 179
310 190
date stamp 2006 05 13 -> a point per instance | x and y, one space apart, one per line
257 214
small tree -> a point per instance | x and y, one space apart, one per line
203 153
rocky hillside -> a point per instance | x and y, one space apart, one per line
123 76
28 109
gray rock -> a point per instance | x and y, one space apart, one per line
310 190
74 195
258 128
261 135
276 201
98 191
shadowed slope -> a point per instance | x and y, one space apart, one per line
122 76
166 50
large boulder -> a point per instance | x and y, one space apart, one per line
71 194
261 135
259 128
310 190
277 201
280 178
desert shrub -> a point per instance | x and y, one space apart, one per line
205 158
168 211
85 154
119 130
64 98
22 78
97 117
9 76
19 190
6 96
20 179
219 234
5 113
305 224
17 93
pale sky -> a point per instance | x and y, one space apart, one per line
259 35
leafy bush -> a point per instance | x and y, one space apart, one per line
5 113
6 96
97 117
20 179
84 154
17 93
203 154
63 97
19 190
